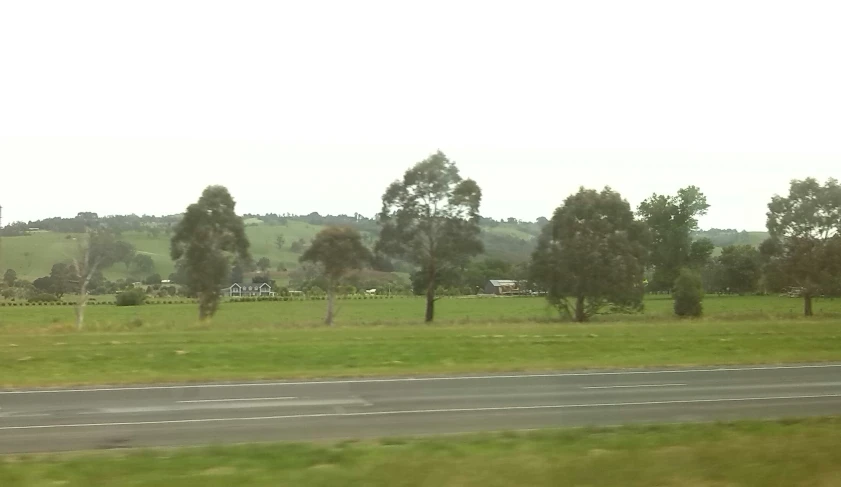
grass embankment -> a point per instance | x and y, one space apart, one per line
264 353
780 453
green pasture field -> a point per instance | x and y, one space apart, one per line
803 452
391 311
265 340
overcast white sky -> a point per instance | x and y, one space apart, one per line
134 107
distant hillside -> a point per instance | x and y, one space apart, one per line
32 248
723 238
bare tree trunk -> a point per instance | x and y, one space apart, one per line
430 295
430 303
807 304
202 307
80 311
85 271
580 313
331 301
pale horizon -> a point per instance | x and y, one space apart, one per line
316 107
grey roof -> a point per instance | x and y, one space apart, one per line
248 287
503 282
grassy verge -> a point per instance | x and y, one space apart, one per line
48 358
784 453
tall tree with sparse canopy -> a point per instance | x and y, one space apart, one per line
804 247
337 250
431 218
672 219
591 255
207 240
99 251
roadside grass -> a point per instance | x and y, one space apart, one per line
39 345
803 452
192 353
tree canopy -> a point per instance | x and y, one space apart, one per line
740 268
337 250
591 254
804 247
672 219
688 293
206 240
10 276
264 264
431 218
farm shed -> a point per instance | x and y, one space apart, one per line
502 287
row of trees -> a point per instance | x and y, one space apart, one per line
595 254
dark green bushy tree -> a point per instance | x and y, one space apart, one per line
591 255
206 241
688 293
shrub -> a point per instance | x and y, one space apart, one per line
43 298
132 297
688 294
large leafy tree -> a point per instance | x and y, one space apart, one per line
740 268
804 247
62 279
431 218
143 264
125 253
337 250
672 219
591 255
205 241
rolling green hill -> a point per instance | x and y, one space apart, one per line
32 256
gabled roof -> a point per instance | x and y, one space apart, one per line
503 282
249 287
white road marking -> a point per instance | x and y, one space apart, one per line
420 379
633 386
416 411
241 399
227 405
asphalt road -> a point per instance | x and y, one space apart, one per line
109 417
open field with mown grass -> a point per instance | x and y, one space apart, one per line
387 311
751 454
155 343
